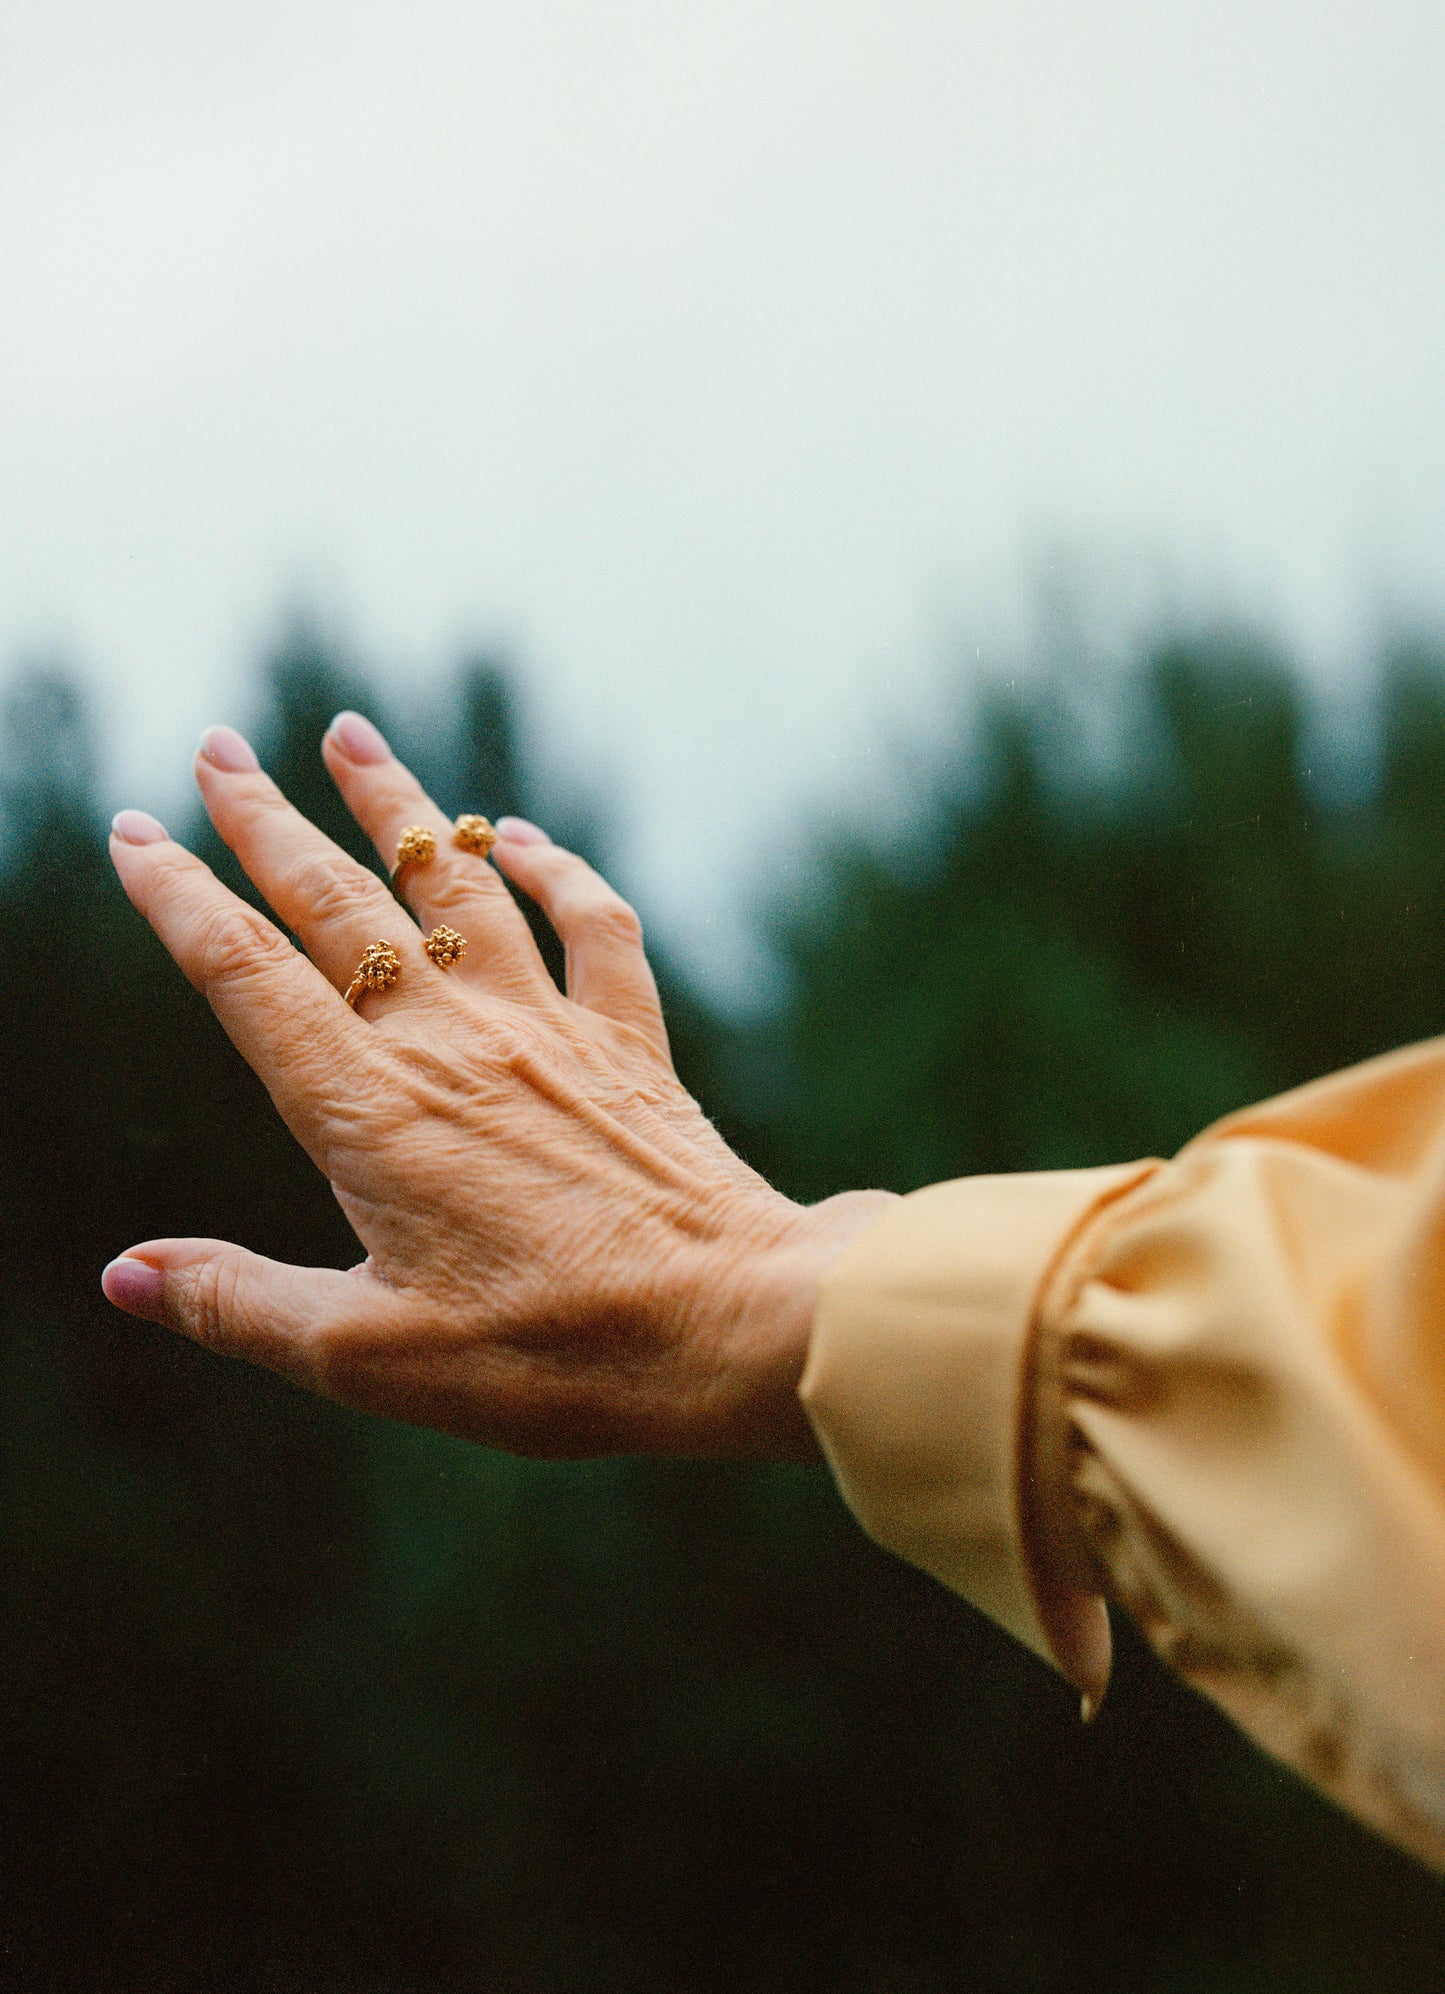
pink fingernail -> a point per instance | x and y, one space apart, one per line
133 1285
225 749
358 740
517 831
138 827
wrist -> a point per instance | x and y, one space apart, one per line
758 1297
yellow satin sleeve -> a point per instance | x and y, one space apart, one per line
1210 1390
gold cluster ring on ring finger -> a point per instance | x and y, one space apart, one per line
379 969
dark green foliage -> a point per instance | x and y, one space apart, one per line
1089 964
292 1701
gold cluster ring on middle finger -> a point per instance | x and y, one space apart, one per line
417 845
475 834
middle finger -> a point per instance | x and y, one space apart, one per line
455 887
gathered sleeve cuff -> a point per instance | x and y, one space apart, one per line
918 1384
1211 1391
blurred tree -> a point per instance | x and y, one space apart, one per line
490 768
295 1702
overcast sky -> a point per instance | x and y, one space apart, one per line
733 364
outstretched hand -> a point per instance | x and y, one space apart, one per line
562 1255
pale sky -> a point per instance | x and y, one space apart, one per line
730 363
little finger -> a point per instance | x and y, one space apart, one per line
607 967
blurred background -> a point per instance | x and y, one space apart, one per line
946 504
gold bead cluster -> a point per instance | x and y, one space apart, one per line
417 845
378 969
474 834
445 946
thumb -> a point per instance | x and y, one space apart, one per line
240 1303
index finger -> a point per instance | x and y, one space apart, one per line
312 1054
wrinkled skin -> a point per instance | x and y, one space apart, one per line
562 1255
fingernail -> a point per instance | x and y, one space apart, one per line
358 740
137 827
517 831
225 749
133 1285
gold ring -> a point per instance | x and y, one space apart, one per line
445 946
378 969
474 834
417 845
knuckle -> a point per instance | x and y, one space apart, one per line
396 791
452 892
179 882
613 919
511 1051
232 944
431 1078
419 1071
332 888
511 1046
173 867
210 1304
